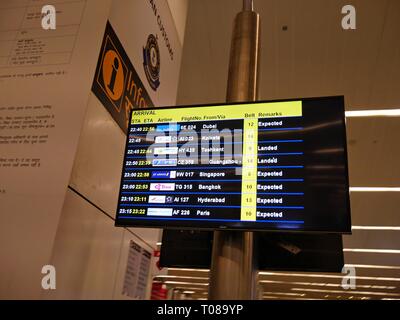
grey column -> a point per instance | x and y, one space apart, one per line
234 273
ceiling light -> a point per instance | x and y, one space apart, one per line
201 290
319 284
374 189
373 113
284 294
316 275
189 269
349 292
291 298
373 250
188 283
180 277
271 297
377 228
370 266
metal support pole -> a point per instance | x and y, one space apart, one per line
248 5
233 274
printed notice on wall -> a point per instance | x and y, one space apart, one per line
137 272
45 80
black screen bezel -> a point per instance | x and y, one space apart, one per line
242 226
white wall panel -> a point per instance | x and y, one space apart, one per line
41 84
90 254
86 252
97 169
178 10
98 163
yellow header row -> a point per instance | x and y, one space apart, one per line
224 112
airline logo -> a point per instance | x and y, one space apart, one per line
159 212
163 175
156 199
162 186
163 139
168 127
170 150
164 162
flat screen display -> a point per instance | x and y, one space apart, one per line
186 249
300 252
271 165
277 251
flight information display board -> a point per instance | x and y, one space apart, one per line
278 165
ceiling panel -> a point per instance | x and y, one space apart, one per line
385 259
374 153
377 283
386 87
314 56
375 209
369 239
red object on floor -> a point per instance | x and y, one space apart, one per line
159 291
